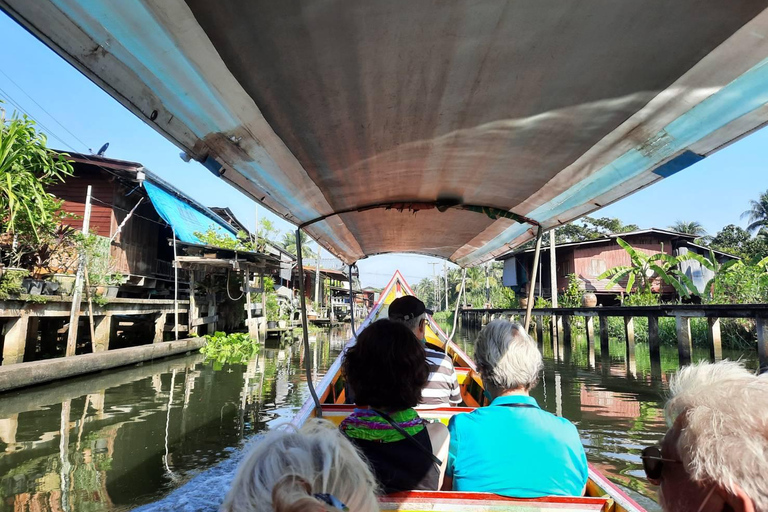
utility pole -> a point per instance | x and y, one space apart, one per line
317 280
487 286
74 313
445 273
436 294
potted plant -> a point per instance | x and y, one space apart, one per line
273 310
114 281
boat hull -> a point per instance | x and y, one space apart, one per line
601 494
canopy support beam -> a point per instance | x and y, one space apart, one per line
532 280
441 206
304 327
352 304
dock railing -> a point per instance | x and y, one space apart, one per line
681 313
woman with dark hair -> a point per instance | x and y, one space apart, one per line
387 370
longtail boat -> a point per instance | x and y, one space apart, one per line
601 493
457 129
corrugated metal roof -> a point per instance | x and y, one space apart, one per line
547 110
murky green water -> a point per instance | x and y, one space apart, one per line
120 439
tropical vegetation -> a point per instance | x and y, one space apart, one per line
31 218
234 348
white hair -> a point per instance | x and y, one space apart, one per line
413 323
724 433
285 468
507 357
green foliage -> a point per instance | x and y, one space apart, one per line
690 228
241 242
95 250
10 283
571 296
541 302
289 244
740 283
27 167
235 348
644 268
737 241
757 213
641 299
99 300
444 319
37 299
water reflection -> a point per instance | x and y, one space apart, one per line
116 440
120 439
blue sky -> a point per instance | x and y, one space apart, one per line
78 116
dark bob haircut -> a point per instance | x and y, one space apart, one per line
387 367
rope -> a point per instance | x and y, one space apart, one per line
229 294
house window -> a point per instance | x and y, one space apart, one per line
596 266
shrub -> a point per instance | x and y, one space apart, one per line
235 348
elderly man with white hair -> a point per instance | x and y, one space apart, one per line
714 457
512 447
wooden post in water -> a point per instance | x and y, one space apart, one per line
684 345
590 321
762 340
604 345
540 329
567 341
192 313
653 346
629 340
713 337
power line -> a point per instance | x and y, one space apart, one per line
44 110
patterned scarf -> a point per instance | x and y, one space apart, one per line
365 424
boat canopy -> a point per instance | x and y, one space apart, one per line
452 128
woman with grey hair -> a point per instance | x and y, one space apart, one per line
512 447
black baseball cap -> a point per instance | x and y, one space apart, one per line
407 308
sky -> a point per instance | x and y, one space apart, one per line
80 117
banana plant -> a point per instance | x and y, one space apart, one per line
710 262
645 268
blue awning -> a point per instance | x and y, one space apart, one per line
185 219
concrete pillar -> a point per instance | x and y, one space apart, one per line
212 312
762 341
715 343
160 319
102 330
653 346
8 428
604 346
97 402
15 331
629 341
590 321
684 344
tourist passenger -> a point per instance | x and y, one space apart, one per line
442 389
715 454
512 447
313 470
386 370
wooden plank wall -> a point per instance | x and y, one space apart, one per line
135 249
591 260
73 193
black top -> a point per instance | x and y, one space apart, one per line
401 466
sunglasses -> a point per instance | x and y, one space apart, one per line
653 462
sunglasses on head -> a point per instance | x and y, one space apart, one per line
653 462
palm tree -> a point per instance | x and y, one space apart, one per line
757 213
645 268
690 228
289 243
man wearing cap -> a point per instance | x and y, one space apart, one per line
442 389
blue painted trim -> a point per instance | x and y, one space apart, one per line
686 159
745 94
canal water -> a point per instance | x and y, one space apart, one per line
119 440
